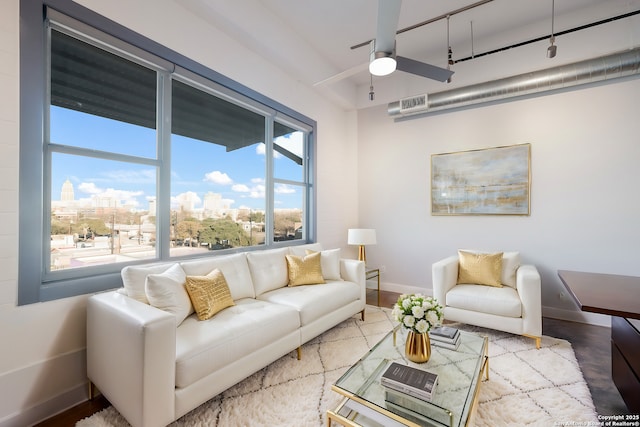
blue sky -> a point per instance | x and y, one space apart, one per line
197 167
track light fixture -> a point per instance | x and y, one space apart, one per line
553 49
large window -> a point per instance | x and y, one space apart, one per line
144 160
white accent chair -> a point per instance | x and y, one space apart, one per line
515 307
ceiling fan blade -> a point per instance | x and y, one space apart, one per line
388 16
422 69
343 75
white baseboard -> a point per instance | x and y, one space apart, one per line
551 312
404 289
577 316
41 390
48 409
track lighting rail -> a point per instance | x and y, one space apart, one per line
429 21
546 37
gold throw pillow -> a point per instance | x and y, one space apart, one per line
479 268
209 294
304 270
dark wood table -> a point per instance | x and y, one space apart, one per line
619 297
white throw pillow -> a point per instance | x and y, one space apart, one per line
330 262
510 265
301 250
166 291
134 277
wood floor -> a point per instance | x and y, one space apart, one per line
590 343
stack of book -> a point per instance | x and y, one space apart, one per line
445 336
409 380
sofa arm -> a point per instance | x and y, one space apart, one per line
131 351
529 288
353 270
444 276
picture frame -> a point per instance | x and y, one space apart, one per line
488 181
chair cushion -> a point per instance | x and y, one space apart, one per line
314 302
502 301
203 347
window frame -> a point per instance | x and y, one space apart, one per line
35 284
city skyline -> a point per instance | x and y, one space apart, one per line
197 167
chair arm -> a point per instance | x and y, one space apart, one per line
529 288
353 270
444 277
131 357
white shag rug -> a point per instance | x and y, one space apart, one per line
526 386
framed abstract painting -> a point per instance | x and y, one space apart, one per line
489 181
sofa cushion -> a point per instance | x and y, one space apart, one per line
134 278
166 291
203 347
301 250
330 261
502 301
209 294
304 270
480 268
314 301
235 270
268 269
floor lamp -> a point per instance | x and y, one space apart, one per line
362 237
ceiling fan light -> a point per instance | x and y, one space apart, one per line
383 64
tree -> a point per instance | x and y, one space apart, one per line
188 228
223 233
284 223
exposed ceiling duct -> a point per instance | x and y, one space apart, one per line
613 66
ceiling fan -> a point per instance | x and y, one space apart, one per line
383 59
383 49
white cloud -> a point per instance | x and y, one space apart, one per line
101 196
188 200
89 188
240 188
257 192
284 189
218 177
292 142
146 176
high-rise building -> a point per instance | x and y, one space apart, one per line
67 192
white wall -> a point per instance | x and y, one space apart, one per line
42 356
584 192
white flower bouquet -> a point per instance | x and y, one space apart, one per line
418 313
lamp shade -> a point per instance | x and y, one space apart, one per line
361 236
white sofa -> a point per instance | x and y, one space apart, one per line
154 368
513 307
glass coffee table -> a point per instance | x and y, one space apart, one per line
459 376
